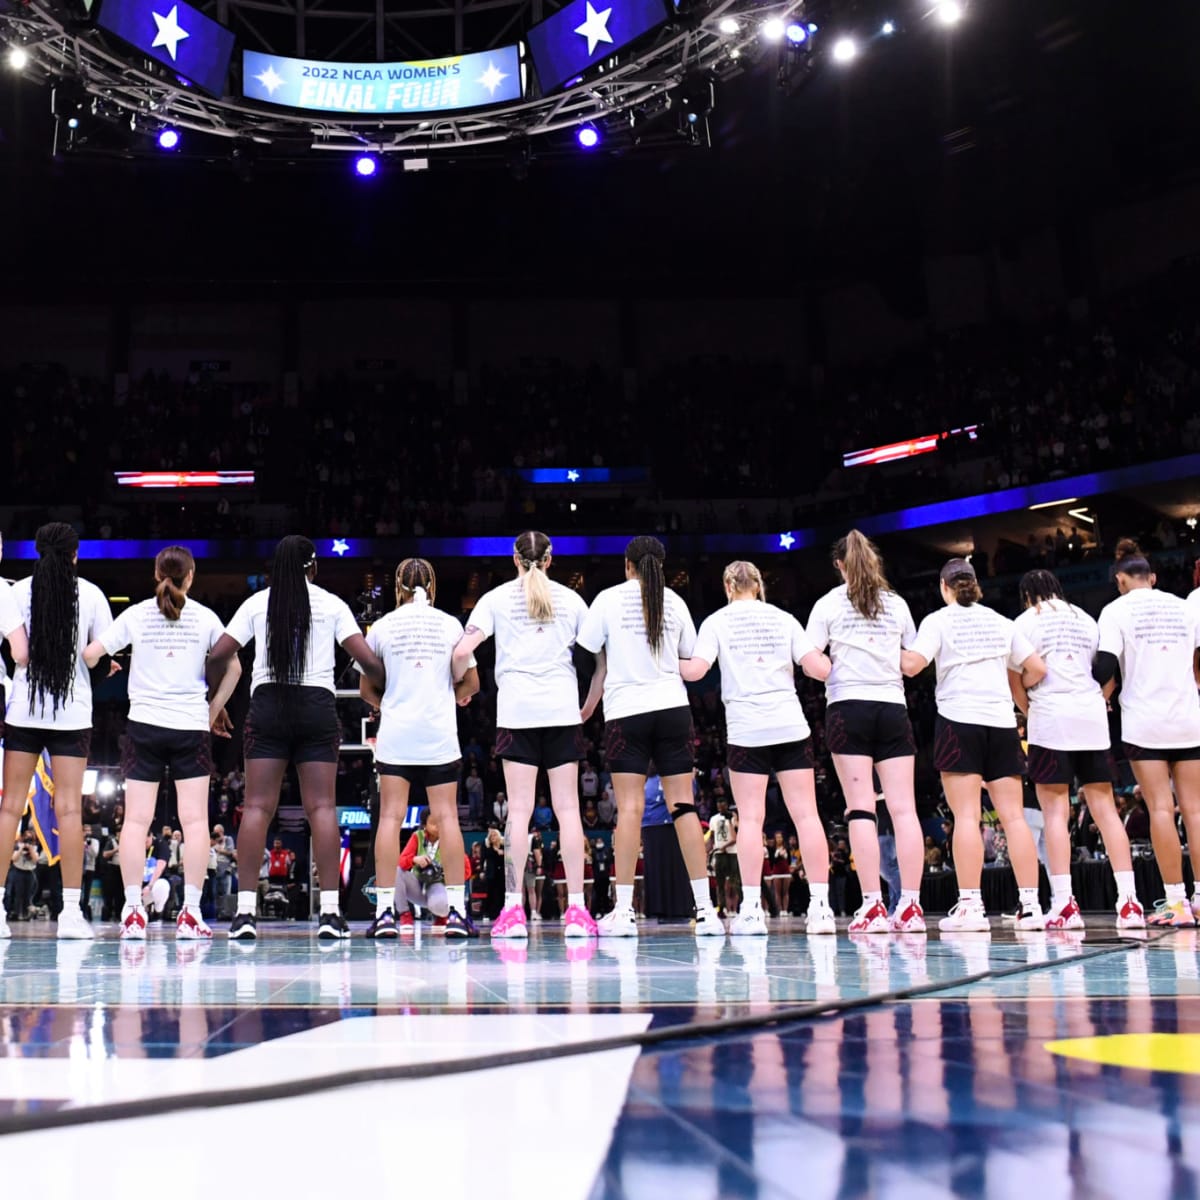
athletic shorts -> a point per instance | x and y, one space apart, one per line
770 760
425 776
148 750
663 738
296 724
547 746
1168 754
871 729
61 743
1064 766
963 749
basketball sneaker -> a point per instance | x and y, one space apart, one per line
911 919
333 927
1033 920
820 919
5 932
578 923
408 927
620 923
965 918
870 919
133 925
750 922
510 923
1130 914
708 924
383 927
459 927
1177 915
190 927
244 928
1067 917
73 927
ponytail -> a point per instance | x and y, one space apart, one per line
745 577
863 567
171 569
415 575
289 611
647 554
533 552
959 576
54 617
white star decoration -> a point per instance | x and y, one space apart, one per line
595 28
340 546
572 476
271 79
787 541
169 34
492 78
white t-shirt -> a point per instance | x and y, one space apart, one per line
757 645
10 614
418 726
638 680
865 653
76 712
973 648
1067 709
1154 636
332 624
1194 599
167 687
535 674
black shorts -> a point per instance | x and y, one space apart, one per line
61 743
873 729
770 760
423 775
986 750
547 746
1064 766
297 724
1168 754
663 738
148 750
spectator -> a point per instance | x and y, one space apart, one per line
21 884
724 855
91 855
589 782
606 807
591 818
473 786
226 860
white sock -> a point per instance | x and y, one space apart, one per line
1176 893
870 898
329 901
701 894
71 899
624 896
1060 887
514 900
908 897
385 900
133 896
456 894
191 897
575 900
247 904
971 896
1029 899
1125 884
818 893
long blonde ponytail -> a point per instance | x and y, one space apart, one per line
533 551
863 567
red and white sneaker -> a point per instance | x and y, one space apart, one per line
910 920
406 925
510 923
1067 917
190 927
1130 914
133 925
578 923
870 920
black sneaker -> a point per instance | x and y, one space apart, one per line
244 927
333 927
384 926
458 926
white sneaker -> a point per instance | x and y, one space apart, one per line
820 919
750 922
133 924
72 926
620 923
1033 920
965 918
708 924
5 932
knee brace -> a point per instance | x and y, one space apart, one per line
682 811
860 814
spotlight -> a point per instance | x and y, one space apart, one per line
796 34
728 25
588 136
18 58
889 27
168 139
365 165
845 50
948 12
773 29
72 122
106 787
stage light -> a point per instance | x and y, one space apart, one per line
845 50
72 122
796 33
773 29
812 27
365 165
106 787
889 27
168 139
948 12
18 58
728 25
588 136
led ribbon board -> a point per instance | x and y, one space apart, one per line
437 85
174 34
183 479
585 33
906 449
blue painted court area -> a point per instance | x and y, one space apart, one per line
974 1066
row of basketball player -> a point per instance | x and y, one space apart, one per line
418 662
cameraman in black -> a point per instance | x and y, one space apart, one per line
21 887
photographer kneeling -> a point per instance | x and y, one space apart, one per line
421 879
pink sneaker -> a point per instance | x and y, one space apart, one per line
578 923
510 923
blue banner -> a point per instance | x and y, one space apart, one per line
585 33
40 806
174 34
438 85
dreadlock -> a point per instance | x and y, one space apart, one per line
54 617
1039 585
415 573
647 555
289 613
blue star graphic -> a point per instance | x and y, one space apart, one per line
787 541
572 476
340 546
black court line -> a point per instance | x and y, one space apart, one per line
126 1110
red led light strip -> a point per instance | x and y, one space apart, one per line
183 479
906 449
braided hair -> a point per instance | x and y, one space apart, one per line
1039 585
289 612
54 617
647 555
533 549
415 573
